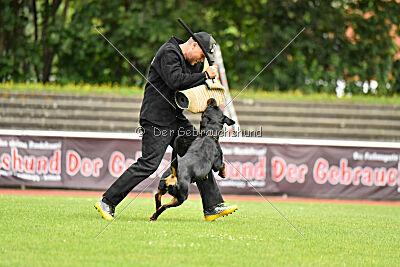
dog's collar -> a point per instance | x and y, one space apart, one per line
210 135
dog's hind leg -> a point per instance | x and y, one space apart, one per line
182 195
157 198
173 203
162 189
166 181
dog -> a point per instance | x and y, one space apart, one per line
204 154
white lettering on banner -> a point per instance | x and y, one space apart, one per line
3 143
44 145
5 173
50 177
244 151
290 172
26 176
86 166
18 144
345 175
256 183
232 183
373 156
358 156
380 157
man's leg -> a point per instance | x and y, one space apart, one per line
153 150
209 192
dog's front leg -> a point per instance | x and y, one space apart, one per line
219 164
221 172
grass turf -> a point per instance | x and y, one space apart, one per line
39 230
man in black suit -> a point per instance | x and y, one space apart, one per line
177 66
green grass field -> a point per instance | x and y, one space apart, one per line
44 230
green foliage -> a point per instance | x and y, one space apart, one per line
65 46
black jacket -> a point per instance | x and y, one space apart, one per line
169 72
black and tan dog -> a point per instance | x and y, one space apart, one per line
203 155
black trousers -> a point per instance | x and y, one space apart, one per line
155 141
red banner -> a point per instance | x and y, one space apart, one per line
269 166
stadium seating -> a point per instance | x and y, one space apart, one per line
283 119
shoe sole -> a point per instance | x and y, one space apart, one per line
222 214
107 216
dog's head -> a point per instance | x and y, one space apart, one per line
213 119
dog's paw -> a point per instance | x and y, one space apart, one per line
221 172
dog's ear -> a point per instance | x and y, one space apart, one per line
228 121
211 102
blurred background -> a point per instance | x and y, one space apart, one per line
348 46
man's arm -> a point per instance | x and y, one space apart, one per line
173 75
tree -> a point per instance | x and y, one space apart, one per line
348 40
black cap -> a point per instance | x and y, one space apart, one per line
208 42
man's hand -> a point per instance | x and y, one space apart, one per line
212 72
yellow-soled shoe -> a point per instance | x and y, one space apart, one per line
219 211
107 211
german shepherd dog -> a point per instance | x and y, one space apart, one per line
203 155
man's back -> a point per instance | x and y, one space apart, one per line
169 72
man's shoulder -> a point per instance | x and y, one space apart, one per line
169 47
169 52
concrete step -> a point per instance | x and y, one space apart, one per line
237 102
77 114
322 122
51 96
54 111
97 105
330 133
266 131
195 118
327 112
314 104
67 125
69 104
